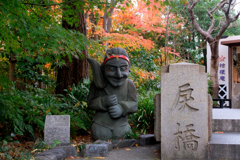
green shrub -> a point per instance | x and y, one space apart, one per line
142 59
11 110
143 119
210 83
24 110
80 114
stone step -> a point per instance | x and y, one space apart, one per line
224 145
226 120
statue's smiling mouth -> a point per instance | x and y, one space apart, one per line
117 79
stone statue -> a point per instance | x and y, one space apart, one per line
111 95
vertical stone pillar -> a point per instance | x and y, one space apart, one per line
184 111
157 117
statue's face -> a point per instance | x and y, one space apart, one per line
116 71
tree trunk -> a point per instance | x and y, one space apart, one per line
75 71
13 62
93 20
205 58
64 77
107 22
166 38
214 68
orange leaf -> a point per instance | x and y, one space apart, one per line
70 157
98 157
47 65
136 145
117 148
127 149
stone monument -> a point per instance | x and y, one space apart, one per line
57 127
111 95
184 112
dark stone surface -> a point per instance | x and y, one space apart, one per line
58 153
147 139
225 146
48 156
69 150
95 150
226 125
224 151
109 144
124 143
157 117
150 152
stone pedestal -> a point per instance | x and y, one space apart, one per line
57 127
184 112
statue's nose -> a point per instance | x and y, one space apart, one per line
118 73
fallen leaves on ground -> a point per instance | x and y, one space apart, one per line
70 157
98 157
127 149
136 145
218 132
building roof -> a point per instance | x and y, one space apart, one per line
231 41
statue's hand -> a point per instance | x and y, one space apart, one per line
111 100
115 111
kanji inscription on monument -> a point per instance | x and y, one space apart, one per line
187 137
183 96
184 111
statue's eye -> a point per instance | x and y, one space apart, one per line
112 68
123 68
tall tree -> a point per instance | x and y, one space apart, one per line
225 6
76 68
31 36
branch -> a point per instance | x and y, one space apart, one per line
235 5
194 3
222 7
228 19
218 26
212 22
195 23
237 15
218 5
229 6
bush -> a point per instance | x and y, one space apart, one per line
24 110
143 119
144 80
11 110
144 72
77 98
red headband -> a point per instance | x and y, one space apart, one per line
117 56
